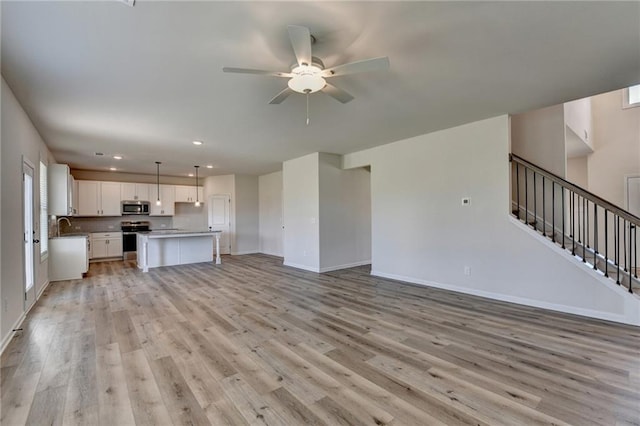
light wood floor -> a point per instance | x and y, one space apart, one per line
253 342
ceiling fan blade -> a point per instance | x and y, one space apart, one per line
281 96
257 72
301 43
366 65
337 94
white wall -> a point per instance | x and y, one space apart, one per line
539 137
422 233
19 138
617 146
300 191
345 214
270 206
246 214
188 216
577 171
577 116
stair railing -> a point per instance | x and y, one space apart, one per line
589 226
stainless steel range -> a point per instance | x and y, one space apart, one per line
130 231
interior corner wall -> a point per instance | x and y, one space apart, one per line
300 192
421 232
246 214
270 208
539 137
345 214
617 147
19 139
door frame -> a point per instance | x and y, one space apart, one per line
227 197
29 294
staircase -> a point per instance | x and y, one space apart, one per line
602 235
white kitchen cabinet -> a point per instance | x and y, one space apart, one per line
68 258
98 198
106 244
167 200
60 190
135 191
187 194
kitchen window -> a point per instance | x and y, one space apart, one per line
44 216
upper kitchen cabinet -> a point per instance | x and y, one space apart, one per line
135 191
99 198
187 194
167 200
60 190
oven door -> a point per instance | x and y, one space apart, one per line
129 242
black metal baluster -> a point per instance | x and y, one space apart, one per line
518 189
624 243
573 224
618 248
563 217
584 228
635 244
606 244
553 212
586 222
544 216
526 196
535 202
595 236
630 251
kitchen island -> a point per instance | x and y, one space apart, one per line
176 247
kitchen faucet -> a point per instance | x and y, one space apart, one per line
58 223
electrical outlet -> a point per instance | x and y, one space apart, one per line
164 226
304 253
467 270
110 226
77 228
466 201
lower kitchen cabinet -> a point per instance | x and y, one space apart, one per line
68 258
106 245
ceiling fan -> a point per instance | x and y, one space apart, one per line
308 74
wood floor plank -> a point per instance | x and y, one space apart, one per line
113 396
180 402
252 342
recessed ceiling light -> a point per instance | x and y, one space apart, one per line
117 157
190 175
209 166
197 142
113 169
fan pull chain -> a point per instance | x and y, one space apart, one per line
307 108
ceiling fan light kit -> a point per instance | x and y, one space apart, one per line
309 75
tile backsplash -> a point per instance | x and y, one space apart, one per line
106 224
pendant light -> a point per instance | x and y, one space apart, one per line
158 202
197 204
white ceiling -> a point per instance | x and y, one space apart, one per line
145 81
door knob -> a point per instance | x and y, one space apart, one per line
36 241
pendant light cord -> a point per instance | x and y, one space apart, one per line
307 108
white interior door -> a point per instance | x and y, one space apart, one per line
219 220
28 234
633 195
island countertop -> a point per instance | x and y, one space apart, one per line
170 247
174 233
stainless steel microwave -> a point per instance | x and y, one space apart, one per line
135 207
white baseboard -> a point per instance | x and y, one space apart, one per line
512 299
239 253
345 266
304 267
272 253
23 316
